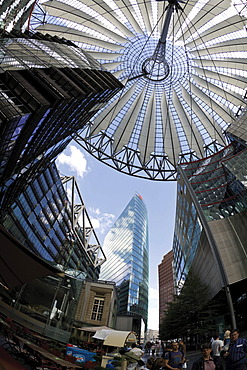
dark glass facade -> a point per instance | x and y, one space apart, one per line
43 219
50 219
49 89
210 236
127 258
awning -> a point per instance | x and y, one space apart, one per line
102 334
18 264
116 338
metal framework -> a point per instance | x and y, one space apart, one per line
184 68
82 230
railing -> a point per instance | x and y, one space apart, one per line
33 324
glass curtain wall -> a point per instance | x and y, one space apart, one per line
127 258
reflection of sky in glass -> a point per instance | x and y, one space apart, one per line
126 250
187 234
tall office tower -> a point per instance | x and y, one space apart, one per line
49 89
127 259
210 231
166 283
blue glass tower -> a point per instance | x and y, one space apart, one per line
210 229
127 264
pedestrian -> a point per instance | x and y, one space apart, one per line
236 355
134 357
148 347
217 345
174 359
163 348
182 347
206 361
157 348
153 348
136 350
227 335
167 348
155 363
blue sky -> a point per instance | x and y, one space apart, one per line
106 192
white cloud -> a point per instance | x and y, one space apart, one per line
101 221
75 160
95 223
153 309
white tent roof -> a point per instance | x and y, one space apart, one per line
102 334
116 338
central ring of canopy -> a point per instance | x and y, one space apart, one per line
180 96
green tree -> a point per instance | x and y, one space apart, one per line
191 313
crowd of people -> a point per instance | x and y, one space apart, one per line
229 353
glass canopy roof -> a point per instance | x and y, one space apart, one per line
184 68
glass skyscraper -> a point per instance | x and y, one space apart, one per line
127 258
210 228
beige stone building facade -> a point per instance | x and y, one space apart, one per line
97 305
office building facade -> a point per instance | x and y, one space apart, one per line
210 229
49 89
166 283
50 219
127 260
56 226
97 304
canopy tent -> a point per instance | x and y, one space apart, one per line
102 334
18 264
115 338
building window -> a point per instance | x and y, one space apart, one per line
97 311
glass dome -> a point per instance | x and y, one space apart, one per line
183 65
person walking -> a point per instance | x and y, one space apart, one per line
133 357
236 355
157 348
217 345
174 359
148 347
153 348
206 361
227 335
136 350
182 347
